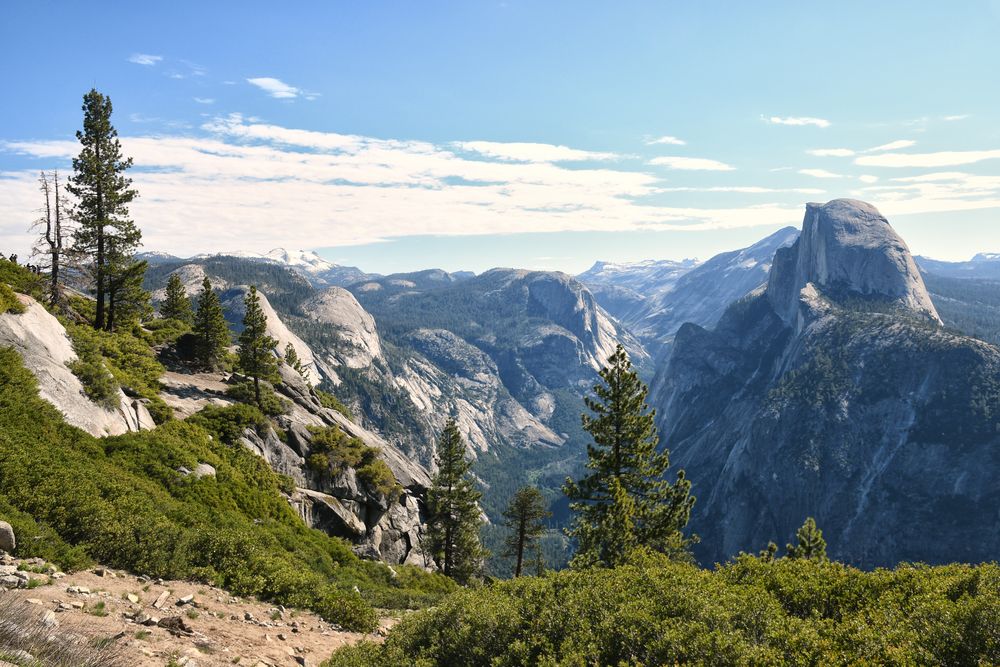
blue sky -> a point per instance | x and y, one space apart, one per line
404 135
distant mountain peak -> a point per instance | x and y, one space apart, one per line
847 246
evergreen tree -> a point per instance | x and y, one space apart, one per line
176 305
524 519
454 517
767 554
105 232
256 354
625 501
293 361
811 545
127 300
210 329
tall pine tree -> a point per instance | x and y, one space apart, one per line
210 329
176 304
454 517
257 358
525 519
625 500
105 232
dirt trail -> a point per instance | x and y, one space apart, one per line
225 630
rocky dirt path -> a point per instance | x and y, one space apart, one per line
159 623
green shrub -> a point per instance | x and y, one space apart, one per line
22 280
271 405
334 450
749 612
165 330
128 357
9 303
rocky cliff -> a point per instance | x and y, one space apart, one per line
833 392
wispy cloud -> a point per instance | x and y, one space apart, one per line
950 119
797 120
831 152
939 159
819 173
144 59
746 189
275 87
204 100
892 146
690 163
532 152
868 178
252 185
666 139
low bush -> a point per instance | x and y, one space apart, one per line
333 450
748 612
271 404
9 303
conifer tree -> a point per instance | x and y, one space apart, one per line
293 361
454 517
127 300
256 353
625 501
525 518
105 232
176 304
210 329
811 545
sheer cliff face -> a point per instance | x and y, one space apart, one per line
834 393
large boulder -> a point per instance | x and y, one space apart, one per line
8 542
46 350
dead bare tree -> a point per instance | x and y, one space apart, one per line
52 234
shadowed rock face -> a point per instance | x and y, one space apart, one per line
834 393
847 248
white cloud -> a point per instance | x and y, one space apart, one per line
819 173
666 139
745 189
531 152
690 163
144 59
797 120
253 186
868 178
939 159
204 100
275 87
956 117
892 146
831 152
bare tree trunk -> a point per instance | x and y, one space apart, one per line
55 293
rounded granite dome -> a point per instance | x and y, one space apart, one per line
847 247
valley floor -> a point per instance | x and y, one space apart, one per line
224 630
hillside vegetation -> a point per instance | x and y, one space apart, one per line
121 501
749 612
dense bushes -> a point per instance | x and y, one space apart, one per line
108 360
653 612
9 302
121 501
334 450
